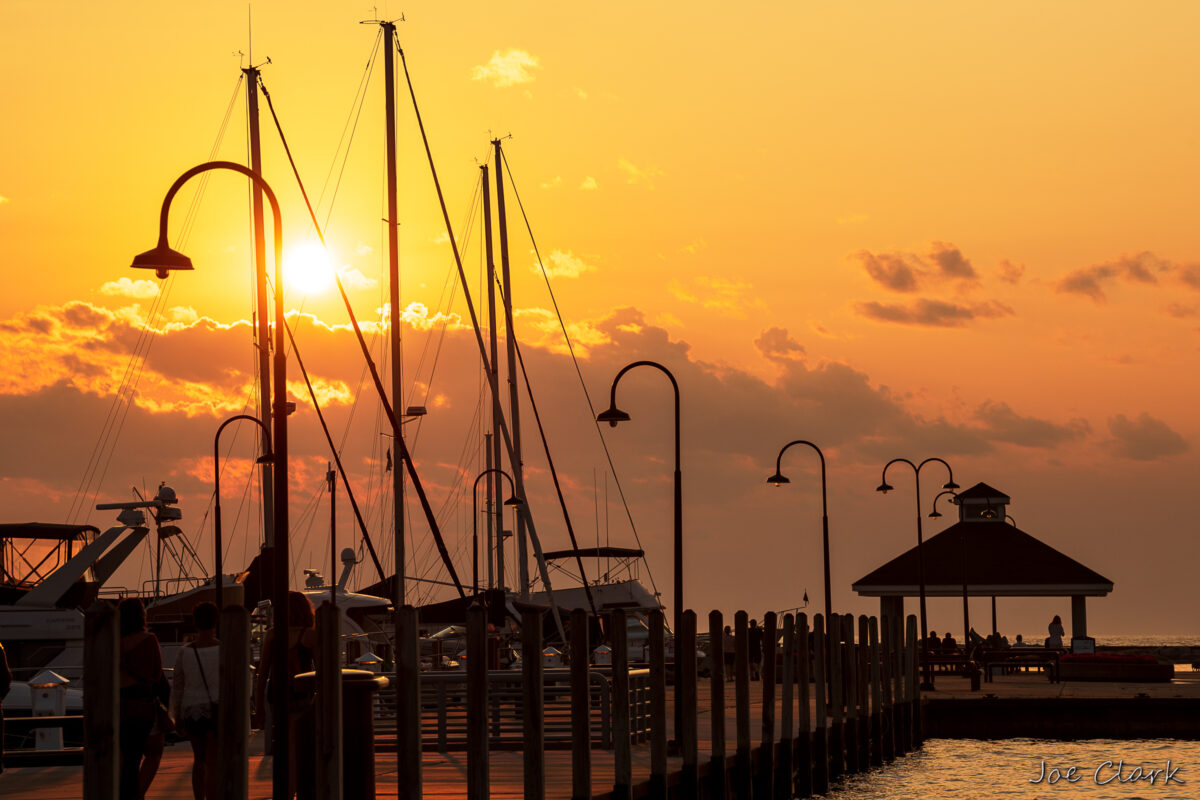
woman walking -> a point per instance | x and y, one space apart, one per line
194 699
140 674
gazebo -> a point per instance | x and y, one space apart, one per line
1000 561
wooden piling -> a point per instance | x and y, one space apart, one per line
850 670
477 705
101 701
328 700
821 768
890 741
837 731
233 734
533 704
876 694
766 750
685 662
787 725
916 735
742 787
622 740
581 732
804 738
899 689
408 706
864 694
716 764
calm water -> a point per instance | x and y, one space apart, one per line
960 769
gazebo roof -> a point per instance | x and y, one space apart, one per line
1002 560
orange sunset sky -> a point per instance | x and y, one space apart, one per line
895 229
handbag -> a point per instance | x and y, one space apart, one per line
196 727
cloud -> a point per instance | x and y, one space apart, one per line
636 174
890 270
1180 310
589 184
1144 439
554 183
1002 424
933 313
139 289
564 265
508 69
1145 267
4 200
775 344
580 93
1011 273
363 249
353 279
951 262
730 297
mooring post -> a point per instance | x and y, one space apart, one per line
329 699
850 671
408 705
581 730
716 682
533 703
787 725
233 734
915 711
804 739
766 749
742 782
876 694
622 742
685 660
658 705
899 690
821 732
891 741
837 699
478 785
101 701
864 696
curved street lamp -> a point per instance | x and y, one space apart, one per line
883 488
512 502
266 458
162 259
778 479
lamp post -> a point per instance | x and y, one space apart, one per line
934 514
511 502
162 259
884 488
614 415
265 458
778 479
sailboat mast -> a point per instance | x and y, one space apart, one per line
262 329
514 405
495 488
389 45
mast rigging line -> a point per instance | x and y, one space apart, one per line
574 360
387 406
523 510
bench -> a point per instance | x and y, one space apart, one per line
1045 659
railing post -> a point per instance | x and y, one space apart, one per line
533 721
329 702
101 701
581 732
783 773
837 699
804 740
766 750
658 706
685 661
622 742
716 764
477 693
408 706
742 783
821 732
876 750
233 772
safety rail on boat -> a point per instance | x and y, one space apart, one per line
444 707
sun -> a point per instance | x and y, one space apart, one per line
309 269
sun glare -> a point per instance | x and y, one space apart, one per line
309 268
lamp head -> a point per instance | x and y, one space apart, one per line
162 260
612 416
515 502
778 479
934 514
951 485
884 487
265 458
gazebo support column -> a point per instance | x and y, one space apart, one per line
1078 616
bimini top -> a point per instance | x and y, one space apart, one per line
594 552
46 530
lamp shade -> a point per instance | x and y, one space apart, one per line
612 416
162 260
778 479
